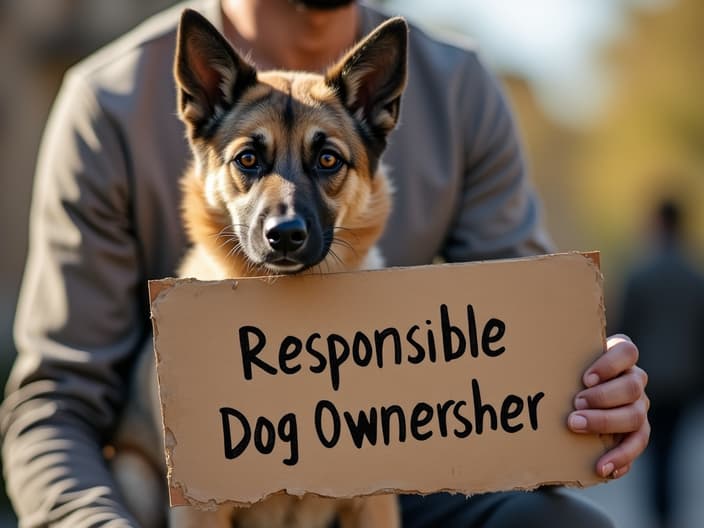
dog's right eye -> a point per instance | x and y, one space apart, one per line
247 161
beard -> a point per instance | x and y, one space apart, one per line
322 4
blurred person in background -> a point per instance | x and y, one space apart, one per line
106 218
663 311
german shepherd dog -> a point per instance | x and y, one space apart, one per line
286 178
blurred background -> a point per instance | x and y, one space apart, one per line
608 97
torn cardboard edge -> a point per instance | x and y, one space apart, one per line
158 286
179 494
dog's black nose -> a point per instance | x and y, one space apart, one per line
285 234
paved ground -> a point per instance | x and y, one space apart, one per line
626 501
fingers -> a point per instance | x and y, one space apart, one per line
621 354
624 419
614 402
620 472
617 392
629 422
618 461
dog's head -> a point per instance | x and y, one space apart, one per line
286 164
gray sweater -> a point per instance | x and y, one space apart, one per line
105 219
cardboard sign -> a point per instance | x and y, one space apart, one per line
453 377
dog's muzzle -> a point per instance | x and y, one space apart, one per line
286 238
285 235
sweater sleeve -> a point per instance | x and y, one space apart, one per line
499 212
80 320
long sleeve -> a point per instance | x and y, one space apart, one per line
82 316
499 212
461 186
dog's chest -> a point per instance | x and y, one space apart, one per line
283 511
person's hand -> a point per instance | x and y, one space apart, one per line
615 402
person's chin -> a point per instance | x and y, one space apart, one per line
322 4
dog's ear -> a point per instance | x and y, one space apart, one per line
209 74
371 77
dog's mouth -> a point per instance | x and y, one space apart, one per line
285 265
285 244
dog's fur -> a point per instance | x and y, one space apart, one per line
286 178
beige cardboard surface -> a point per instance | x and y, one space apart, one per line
529 327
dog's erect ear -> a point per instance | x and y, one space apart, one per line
371 77
209 74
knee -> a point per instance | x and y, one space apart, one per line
549 508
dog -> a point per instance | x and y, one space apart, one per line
286 178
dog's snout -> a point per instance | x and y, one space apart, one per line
285 234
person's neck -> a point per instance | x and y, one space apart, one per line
277 34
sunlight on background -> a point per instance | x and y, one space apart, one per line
551 43
607 96
547 42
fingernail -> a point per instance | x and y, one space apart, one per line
580 403
591 380
607 469
578 422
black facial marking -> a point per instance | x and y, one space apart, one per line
308 155
207 129
259 143
319 140
288 112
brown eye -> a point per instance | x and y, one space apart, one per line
329 161
247 160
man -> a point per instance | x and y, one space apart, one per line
663 307
105 219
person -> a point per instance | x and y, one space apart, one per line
106 218
663 308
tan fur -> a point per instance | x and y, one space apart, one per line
287 119
364 210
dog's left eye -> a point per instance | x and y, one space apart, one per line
329 161
247 161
